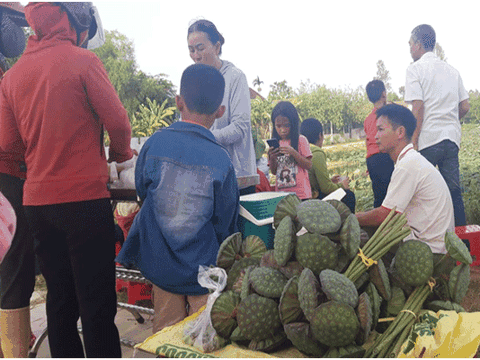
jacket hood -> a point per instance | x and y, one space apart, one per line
226 65
49 22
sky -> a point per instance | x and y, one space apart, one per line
332 43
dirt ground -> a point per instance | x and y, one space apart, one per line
471 302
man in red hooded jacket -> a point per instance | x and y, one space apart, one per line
54 105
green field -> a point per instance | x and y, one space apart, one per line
349 159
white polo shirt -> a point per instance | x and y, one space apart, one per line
418 189
441 89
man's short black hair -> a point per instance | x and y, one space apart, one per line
375 89
202 88
312 129
399 115
425 35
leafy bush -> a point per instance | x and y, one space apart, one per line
469 158
149 119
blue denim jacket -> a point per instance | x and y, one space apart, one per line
190 205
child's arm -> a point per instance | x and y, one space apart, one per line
302 161
272 159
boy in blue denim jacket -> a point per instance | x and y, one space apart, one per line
190 196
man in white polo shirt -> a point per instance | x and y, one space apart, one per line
416 188
439 100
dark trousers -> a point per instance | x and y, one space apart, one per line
445 156
76 251
17 270
349 199
380 167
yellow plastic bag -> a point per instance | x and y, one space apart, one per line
168 343
445 334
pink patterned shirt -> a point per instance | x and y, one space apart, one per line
290 176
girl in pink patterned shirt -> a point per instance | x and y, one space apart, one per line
292 160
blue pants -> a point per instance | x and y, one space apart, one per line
445 155
380 167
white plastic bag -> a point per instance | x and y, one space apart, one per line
127 178
200 332
122 175
127 164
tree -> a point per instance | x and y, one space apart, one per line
392 97
323 104
383 74
261 116
439 52
306 87
281 91
257 82
132 85
401 90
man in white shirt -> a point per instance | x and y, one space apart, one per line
416 188
439 100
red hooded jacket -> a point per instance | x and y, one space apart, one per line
54 103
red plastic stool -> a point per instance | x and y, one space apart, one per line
138 291
135 290
472 234
120 284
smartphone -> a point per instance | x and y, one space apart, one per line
273 143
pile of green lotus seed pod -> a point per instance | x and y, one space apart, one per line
297 294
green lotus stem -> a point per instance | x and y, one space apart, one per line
417 303
398 239
357 267
403 320
388 339
390 349
382 249
402 316
392 234
391 224
403 336
377 233
384 342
